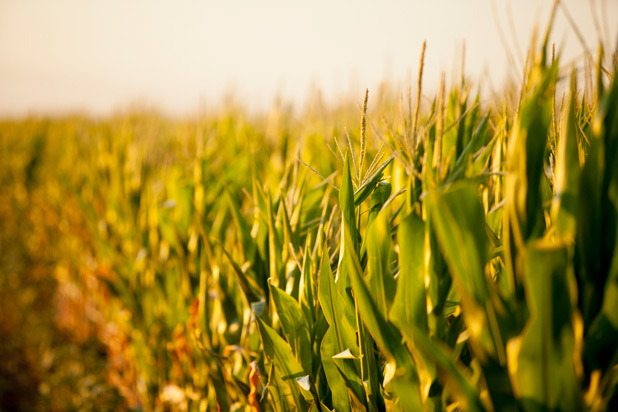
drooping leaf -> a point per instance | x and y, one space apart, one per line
450 371
543 359
369 186
339 337
386 336
285 365
294 325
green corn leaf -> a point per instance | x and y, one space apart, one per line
597 218
459 222
371 182
294 325
370 373
410 304
241 226
285 364
346 202
479 160
378 198
339 337
336 306
463 160
328 348
602 336
405 381
275 247
523 214
279 391
357 403
348 222
601 340
450 371
250 248
452 139
249 287
436 270
320 407
564 205
543 359
308 294
386 336
288 235
379 277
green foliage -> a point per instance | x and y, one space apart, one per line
472 264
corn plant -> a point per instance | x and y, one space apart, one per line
456 258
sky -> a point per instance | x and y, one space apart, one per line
65 56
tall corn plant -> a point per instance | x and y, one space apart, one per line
470 268
484 288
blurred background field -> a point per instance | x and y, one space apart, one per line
64 344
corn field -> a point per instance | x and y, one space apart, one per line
450 255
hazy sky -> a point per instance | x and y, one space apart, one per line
66 55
